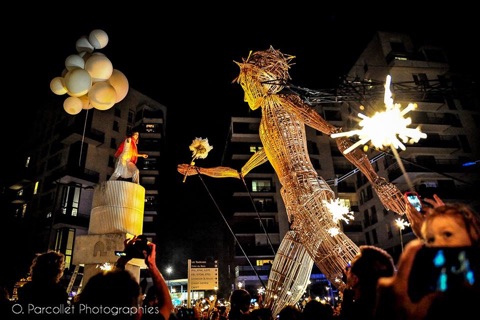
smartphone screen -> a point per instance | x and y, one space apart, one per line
413 198
120 253
443 269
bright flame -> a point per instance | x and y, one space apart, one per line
339 210
385 128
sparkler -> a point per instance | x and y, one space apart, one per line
385 128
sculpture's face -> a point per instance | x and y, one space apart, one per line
257 84
254 90
262 74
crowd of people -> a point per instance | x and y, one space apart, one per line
376 288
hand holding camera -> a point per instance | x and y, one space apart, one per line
137 247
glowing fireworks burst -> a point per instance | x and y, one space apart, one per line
401 223
105 266
333 231
385 128
339 210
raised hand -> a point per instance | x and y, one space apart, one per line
415 218
435 202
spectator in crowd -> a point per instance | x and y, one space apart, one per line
120 293
262 313
151 303
315 310
45 288
451 225
222 313
443 225
290 312
359 296
240 300
5 303
394 302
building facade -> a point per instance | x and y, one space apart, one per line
69 155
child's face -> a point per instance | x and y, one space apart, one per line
446 231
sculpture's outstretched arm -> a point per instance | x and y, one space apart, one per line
215 172
388 193
307 114
258 158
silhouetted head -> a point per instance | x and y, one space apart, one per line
240 300
48 266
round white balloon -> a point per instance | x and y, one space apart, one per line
102 95
83 45
74 61
120 83
85 102
99 67
98 38
57 85
72 105
78 82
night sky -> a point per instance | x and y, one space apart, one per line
183 58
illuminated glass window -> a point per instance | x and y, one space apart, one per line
151 127
254 148
261 185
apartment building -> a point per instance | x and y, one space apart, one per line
70 155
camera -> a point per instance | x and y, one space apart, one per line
135 249
442 269
414 199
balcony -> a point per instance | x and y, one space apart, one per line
435 122
248 271
434 144
73 172
62 220
394 171
74 133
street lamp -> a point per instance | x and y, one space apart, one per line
401 224
169 272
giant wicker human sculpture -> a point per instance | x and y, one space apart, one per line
262 76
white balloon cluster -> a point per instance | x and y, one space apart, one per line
89 77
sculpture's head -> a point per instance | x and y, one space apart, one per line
263 73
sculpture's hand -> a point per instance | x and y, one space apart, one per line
390 196
187 169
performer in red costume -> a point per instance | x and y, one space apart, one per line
127 155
